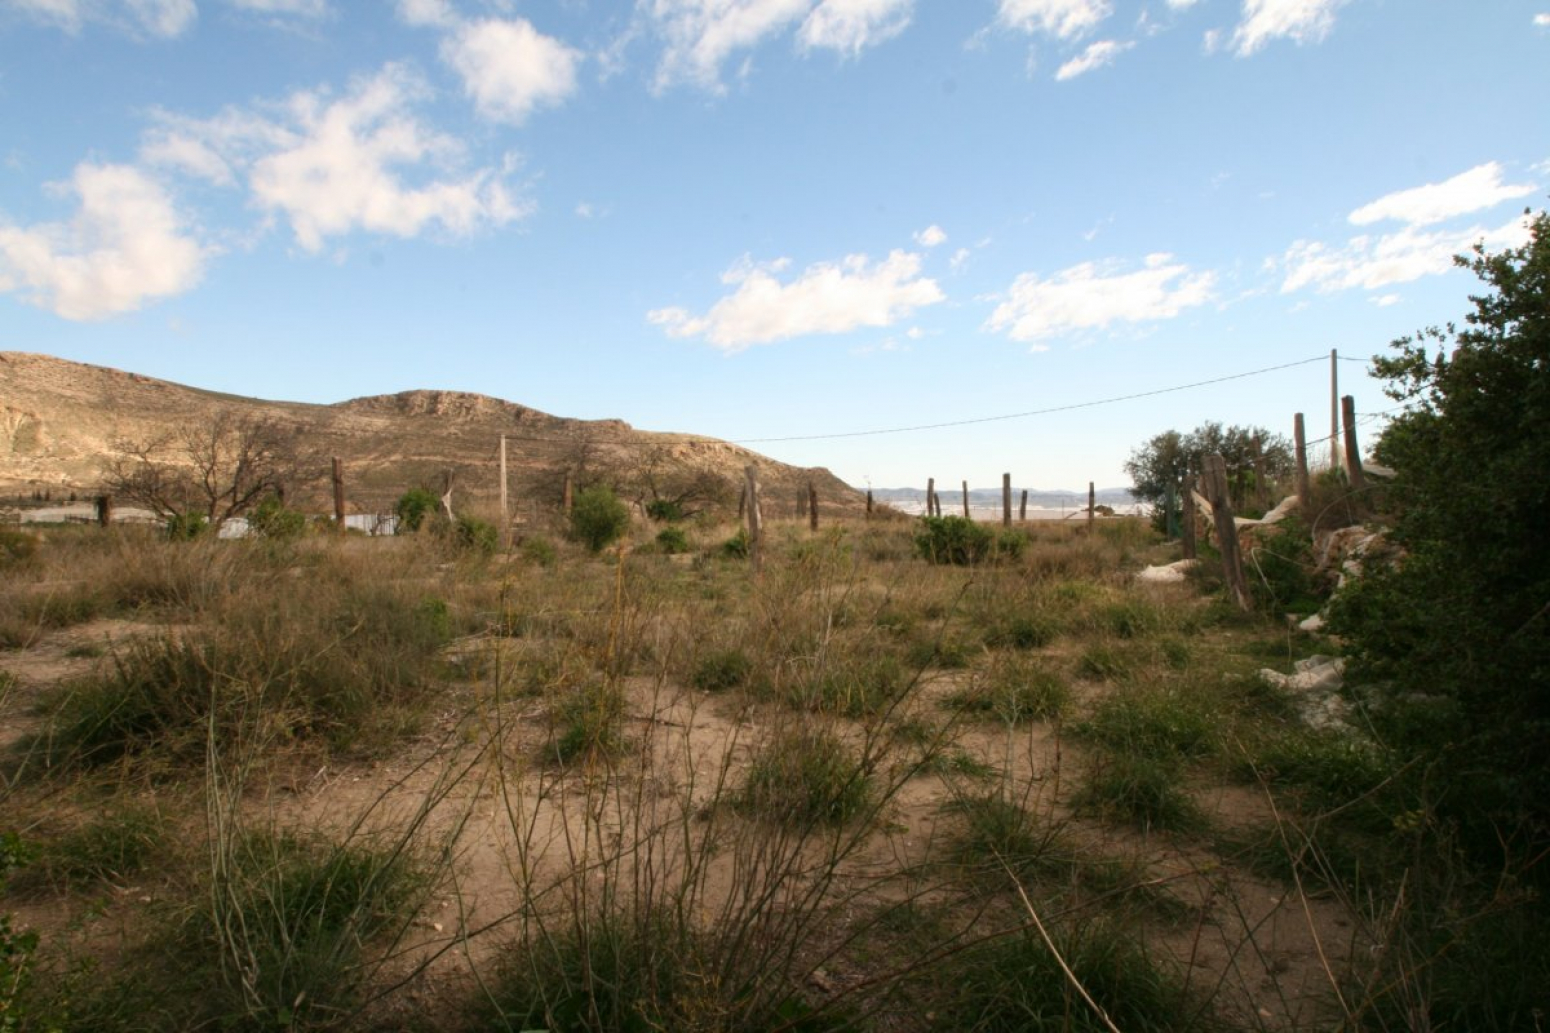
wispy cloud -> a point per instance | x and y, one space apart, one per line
1063 19
1475 190
1097 55
827 298
851 26
1371 262
164 18
1301 21
1092 296
930 237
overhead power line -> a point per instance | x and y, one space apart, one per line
1032 412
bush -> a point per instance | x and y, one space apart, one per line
672 541
806 777
738 546
16 547
476 535
273 520
953 539
664 511
540 551
724 669
413 507
598 518
185 527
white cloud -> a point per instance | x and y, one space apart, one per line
850 26
1182 5
331 166
1384 301
1479 188
1302 21
167 18
1097 55
427 13
959 260
1091 296
1369 262
931 236
295 8
827 298
126 244
509 68
701 34
1064 19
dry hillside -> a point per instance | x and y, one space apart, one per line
61 421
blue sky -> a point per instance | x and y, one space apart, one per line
770 219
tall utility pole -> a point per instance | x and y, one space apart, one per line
1334 410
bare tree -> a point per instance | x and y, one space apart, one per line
670 488
219 469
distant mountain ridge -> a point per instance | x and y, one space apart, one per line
60 422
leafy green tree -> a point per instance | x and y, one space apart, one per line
1457 635
413 507
597 518
1165 458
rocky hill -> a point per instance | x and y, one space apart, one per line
62 422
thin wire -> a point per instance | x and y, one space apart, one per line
1031 412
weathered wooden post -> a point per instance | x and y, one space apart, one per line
505 510
755 524
1187 522
1006 500
1304 485
812 506
105 510
1353 451
966 515
1092 507
936 504
930 496
1261 489
339 495
869 503
1022 511
1226 530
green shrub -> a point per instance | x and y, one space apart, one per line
738 546
1023 631
672 541
274 521
723 669
664 511
598 518
589 722
476 535
539 550
806 776
953 539
1015 984
118 843
1138 789
413 507
16 547
185 527
1154 721
1013 692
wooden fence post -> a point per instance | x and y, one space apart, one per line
1022 510
930 496
339 495
505 508
755 524
812 506
1226 530
1092 507
966 515
105 510
1187 521
1006 500
1353 451
1300 442
869 503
